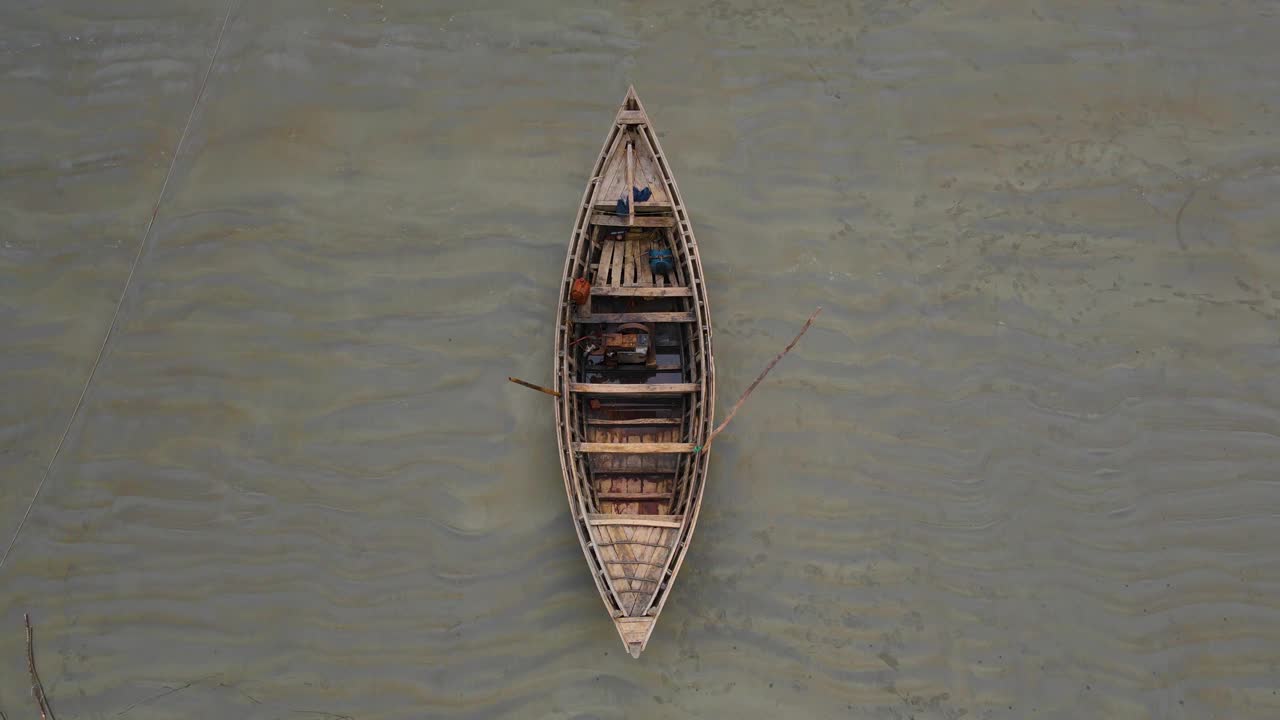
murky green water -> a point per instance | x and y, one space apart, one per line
1026 465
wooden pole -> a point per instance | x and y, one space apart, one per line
734 410
531 386
631 184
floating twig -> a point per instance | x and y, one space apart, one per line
170 691
37 688
252 699
734 410
531 386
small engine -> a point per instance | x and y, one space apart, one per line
627 349
623 348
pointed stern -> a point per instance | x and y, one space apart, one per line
635 632
636 552
631 111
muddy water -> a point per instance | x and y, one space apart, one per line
1026 465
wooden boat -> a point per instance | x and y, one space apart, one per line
635 374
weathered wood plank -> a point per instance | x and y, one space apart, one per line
646 207
671 521
615 268
636 496
638 261
634 389
633 447
632 117
655 207
655 475
629 264
643 277
635 631
643 291
679 317
640 221
635 421
602 267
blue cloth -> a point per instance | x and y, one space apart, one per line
660 261
623 208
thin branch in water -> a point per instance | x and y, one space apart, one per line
252 699
734 410
128 281
37 687
329 715
168 692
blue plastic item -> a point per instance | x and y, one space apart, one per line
624 208
660 261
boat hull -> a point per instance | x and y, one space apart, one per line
630 426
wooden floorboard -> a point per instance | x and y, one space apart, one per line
633 496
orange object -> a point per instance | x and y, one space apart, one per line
580 291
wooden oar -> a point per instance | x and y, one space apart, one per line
734 410
531 386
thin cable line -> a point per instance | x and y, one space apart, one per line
115 317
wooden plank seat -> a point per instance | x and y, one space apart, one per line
633 543
624 370
633 388
671 521
643 207
626 472
650 221
648 317
638 291
635 421
633 447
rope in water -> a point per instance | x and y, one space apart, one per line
115 316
